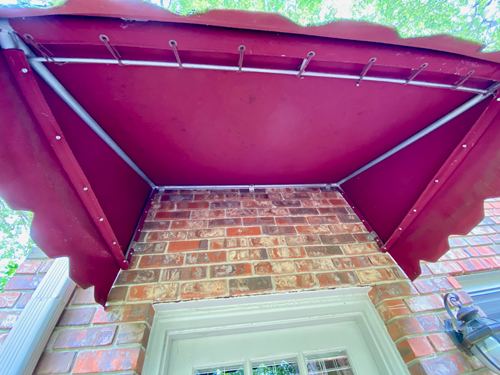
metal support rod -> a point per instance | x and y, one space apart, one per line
305 63
259 70
416 73
217 187
242 53
443 120
173 44
365 70
462 80
52 81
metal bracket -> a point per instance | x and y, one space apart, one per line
461 82
111 49
173 44
416 73
251 188
306 62
365 70
242 53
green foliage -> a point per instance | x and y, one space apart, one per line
15 242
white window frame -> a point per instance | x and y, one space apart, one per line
245 314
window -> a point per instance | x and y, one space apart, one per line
484 288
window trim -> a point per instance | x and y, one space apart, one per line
191 318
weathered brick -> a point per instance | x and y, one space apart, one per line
233 222
160 261
257 204
118 294
303 211
287 252
266 241
337 239
8 299
83 296
133 333
278 230
351 262
241 212
121 313
207 214
23 301
308 265
342 278
85 337
443 268
247 254
305 229
297 195
392 308
156 225
349 218
449 364
154 292
414 347
380 260
8 318
209 197
228 243
162 215
138 277
290 282
192 206
55 363
28 267
229 204
23 283
184 273
189 224
250 285
294 220
149 248
323 220
203 289
162 236
235 269
333 211
370 276
323 251
174 197
164 206
441 342
273 212
100 361
207 233
269 268
206 257
425 303
251 221
187 245
287 203
45 266
316 203
245 231
304 239
338 202
427 286
360 249
397 289
76 317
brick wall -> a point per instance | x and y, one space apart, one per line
19 289
213 244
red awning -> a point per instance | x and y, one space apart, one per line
210 124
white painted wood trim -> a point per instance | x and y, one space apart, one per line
21 351
249 314
480 281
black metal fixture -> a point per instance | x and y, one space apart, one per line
473 335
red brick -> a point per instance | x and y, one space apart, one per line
313 229
464 297
133 333
290 282
427 286
225 222
266 241
8 318
425 303
250 285
306 239
370 276
160 261
100 361
203 289
192 205
441 342
287 252
23 301
298 195
23 283
291 220
55 363
235 269
241 212
184 273
154 292
414 347
123 313
333 210
8 299
149 248
187 245
274 212
494 262
118 294
453 282
303 211
207 233
316 203
209 197
278 230
360 249
343 278
484 250
308 265
449 364
397 289
337 239
228 243
229 204
247 254
379 260
138 277
442 268
189 224
207 214
76 317
349 218
323 251
174 197
338 202
269 268
251 221
83 297
166 206
85 337
251 204
351 262
206 257
392 308
245 231
402 327
162 215
45 266
323 220
166 236
28 267
287 203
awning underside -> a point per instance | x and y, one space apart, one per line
209 126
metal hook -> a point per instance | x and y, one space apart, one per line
365 70
306 61
462 81
173 44
111 49
41 48
242 52
416 73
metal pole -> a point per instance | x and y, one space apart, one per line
443 120
258 70
215 187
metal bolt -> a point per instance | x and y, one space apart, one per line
101 219
436 180
464 146
124 261
85 188
24 70
114 243
58 137
400 228
414 210
498 99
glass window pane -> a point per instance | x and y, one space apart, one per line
279 366
332 363
221 370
